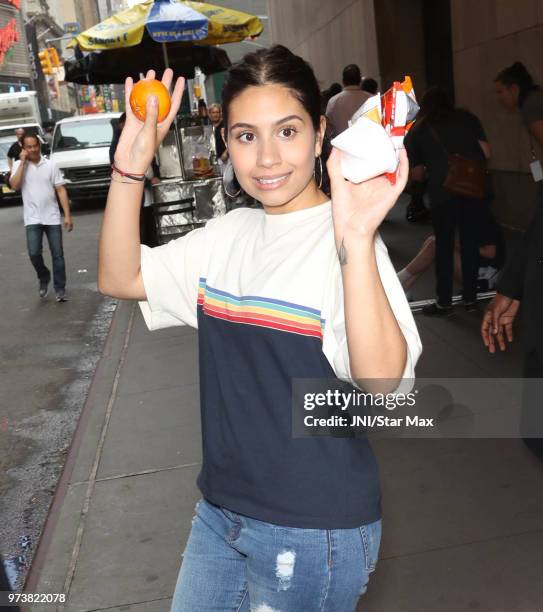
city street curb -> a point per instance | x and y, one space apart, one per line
100 389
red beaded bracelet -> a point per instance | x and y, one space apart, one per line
134 177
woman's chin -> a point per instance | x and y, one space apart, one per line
272 199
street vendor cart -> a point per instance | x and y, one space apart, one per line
180 35
190 191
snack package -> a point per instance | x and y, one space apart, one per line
370 145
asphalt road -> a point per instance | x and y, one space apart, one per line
48 354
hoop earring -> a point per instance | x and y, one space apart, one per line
229 175
231 195
320 168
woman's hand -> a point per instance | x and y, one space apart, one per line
139 141
358 210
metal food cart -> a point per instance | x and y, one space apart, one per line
190 191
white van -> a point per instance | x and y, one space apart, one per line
80 149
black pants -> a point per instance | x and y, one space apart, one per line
466 215
531 423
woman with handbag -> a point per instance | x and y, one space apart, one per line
449 147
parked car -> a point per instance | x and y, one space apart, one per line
80 149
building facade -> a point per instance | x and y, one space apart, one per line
487 37
15 72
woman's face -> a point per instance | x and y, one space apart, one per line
507 95
272 146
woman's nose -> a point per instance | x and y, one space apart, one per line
268 154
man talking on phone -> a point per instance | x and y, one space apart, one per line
41 182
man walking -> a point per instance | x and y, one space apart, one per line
40 181
344 105
16 148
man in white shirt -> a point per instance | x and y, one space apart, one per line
343 105
40 182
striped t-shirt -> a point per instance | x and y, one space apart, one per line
265 292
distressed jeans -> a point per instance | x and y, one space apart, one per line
233 563
34 242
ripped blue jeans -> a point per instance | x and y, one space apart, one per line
233 563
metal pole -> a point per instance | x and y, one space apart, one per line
165 56
179 143
175 125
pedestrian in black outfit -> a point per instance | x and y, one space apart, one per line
441 130
117 131
15 150
521 282
148 233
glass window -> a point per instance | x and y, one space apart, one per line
83 135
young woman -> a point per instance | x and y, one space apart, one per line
301 289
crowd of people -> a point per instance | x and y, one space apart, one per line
467 245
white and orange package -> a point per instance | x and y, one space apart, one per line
370 145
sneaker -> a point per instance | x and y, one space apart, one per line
60 295
434 310
44 289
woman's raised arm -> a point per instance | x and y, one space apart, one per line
119 252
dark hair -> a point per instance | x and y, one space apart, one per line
435 104
351 75
517 74
116 121
276 65
34 136
370 85
329 93
334 89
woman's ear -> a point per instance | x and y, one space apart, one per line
320 136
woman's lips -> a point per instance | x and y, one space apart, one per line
267 183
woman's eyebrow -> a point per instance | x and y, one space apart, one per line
279 122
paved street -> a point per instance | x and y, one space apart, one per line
48 355
463 519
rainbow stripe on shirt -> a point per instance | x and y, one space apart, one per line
260 311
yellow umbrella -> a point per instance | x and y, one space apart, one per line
170 21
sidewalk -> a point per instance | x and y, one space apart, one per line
128 489
463 519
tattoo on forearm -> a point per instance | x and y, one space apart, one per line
342 253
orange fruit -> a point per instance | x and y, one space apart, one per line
142 90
